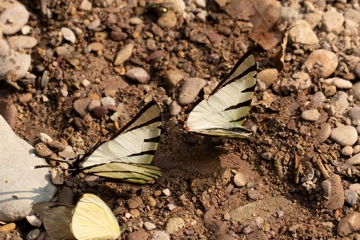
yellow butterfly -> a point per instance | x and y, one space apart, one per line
90 219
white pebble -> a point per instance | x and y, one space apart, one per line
166 192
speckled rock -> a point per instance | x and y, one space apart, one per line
12 62
327 61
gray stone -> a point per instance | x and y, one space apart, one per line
174 108
351 197
190 89
30 186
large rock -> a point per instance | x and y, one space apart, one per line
20 185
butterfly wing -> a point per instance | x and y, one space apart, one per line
134 173
93 219
136 143
56 219
224 112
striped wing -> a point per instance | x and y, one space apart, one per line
134 173
224 112
135 144
93 219
56 219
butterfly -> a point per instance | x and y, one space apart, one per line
128 154
90 219
224 112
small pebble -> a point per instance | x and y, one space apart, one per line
42 150
124 54
86 5
134 202
326 187
321 62
68 34
138 74
138 235
33 234
34 221
149 226
190 89
166 192
55 177
68 152
323 133
266 156
226 216
254 194
351 197
174 224
174 108
171 206
160 235
347 151
167 20
240 179
151 201
310 115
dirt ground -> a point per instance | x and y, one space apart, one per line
198 171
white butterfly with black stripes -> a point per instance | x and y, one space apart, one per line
224 112
128 154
